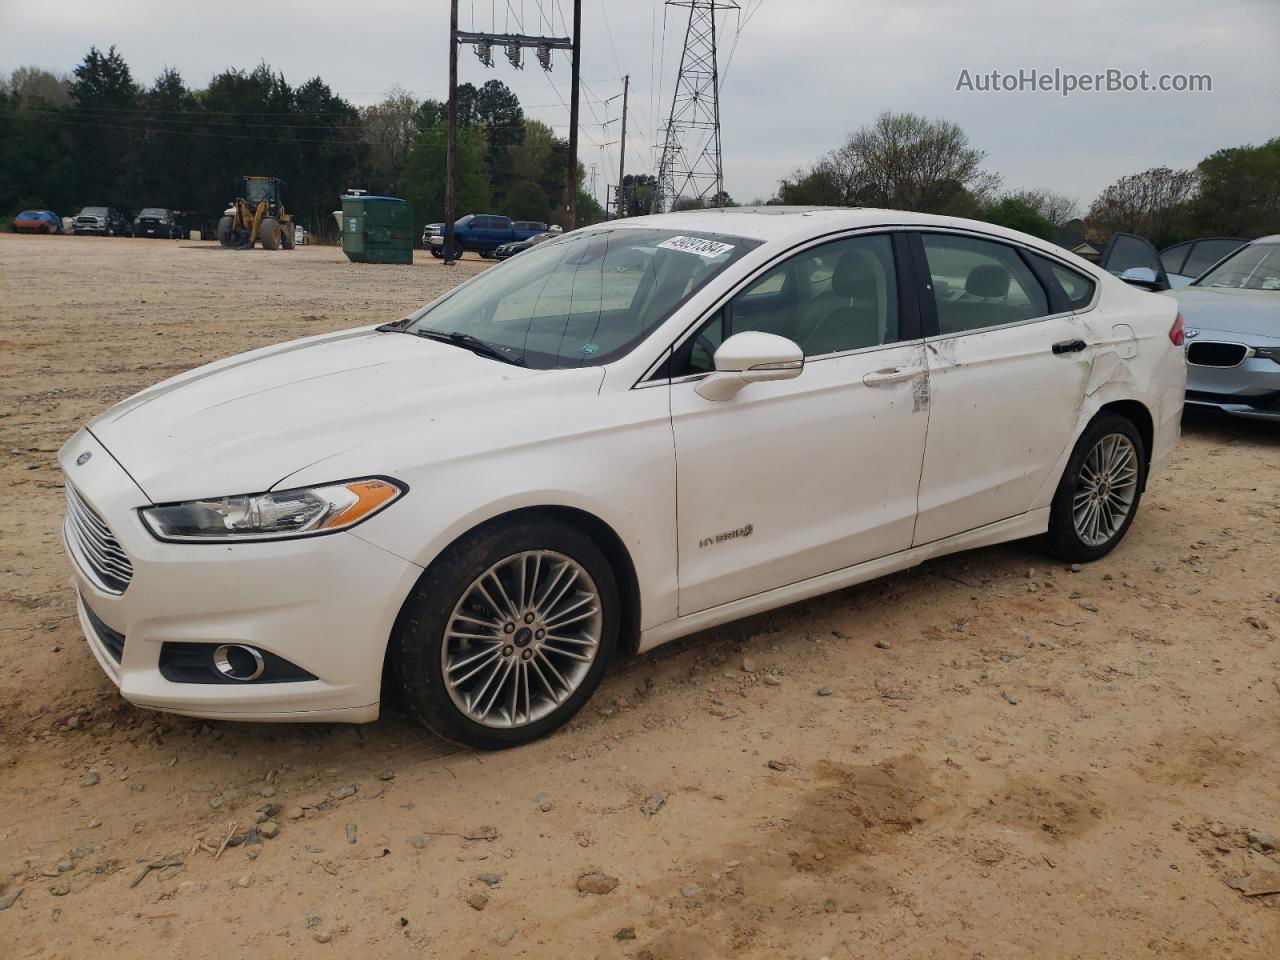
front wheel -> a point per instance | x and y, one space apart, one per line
508 634
269 233
1100 489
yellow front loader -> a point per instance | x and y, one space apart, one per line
257 214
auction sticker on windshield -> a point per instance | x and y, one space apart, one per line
703 248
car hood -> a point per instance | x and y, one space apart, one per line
243 424
1255 312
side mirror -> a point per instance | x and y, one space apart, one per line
1143 277
751 357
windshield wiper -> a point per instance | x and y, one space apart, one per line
473 343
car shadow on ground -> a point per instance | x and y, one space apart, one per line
1214 425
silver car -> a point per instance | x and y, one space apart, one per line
1231 314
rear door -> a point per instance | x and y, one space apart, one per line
1008 363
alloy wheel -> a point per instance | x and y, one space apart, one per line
1105 489
522 639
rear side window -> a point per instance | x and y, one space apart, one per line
1206 253
1078 288
979 284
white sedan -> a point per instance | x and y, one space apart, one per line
628 434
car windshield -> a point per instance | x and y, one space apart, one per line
154 212
585 298
31 215
93 212
1255 267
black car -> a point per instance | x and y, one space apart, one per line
508 250
100 221
158 222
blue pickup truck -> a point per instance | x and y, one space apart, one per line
482 233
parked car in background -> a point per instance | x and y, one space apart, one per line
1232 318
484 233
37 221
429 231
300 235
483 496
1185 261
508 250
102 222
157 222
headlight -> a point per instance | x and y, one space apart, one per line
1267 353
306 511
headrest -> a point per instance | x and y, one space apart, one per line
856 275
989 281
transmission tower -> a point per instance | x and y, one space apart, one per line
690 166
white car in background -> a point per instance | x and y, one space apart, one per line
627 434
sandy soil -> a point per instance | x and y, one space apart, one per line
989 756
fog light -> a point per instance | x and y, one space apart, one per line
238 662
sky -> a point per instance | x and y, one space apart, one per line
797 75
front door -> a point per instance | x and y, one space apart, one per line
793 479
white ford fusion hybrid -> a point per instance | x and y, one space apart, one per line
627 434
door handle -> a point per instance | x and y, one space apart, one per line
1068 346
891 375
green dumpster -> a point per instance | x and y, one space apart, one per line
377 229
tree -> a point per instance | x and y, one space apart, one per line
1014 212
902 161
30 84
638 189
1057 208
1239 192
1153 204
527 201
390 128
103 80
424 174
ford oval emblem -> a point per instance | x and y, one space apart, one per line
83 458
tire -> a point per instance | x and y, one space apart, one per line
421 645
287 237
224 232
438 254
1084 521
269 233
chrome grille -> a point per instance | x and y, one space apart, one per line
1215 353
94 547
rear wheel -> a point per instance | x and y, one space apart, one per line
224 232
287 236
508 634
1100 489
269 233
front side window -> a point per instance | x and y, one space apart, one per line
979 283
1255 267
585 298
833 298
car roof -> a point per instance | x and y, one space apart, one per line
781 223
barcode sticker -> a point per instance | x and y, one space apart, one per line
703 248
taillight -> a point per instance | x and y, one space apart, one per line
1176 332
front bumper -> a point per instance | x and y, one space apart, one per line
1248 389
326 604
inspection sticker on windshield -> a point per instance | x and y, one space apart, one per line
703 248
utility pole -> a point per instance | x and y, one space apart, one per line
571 209
451 149
515 45
622 152
695 114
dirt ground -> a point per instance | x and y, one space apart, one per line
989 756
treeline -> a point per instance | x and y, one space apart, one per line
909 162
100 137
